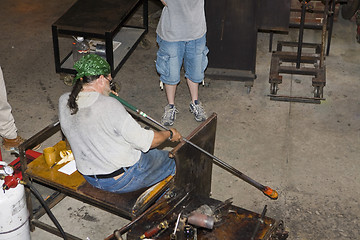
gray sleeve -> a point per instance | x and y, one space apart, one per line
138 137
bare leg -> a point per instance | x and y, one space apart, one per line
170 93
194 89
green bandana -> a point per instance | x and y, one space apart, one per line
91 65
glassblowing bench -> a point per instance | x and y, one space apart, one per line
73 185
102 20
187 192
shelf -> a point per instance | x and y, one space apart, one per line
85 19
127 37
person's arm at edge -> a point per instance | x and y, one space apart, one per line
163 2
162 136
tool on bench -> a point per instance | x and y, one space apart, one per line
155 230
196 219
260 221
265 189
127 227
173 234
166 220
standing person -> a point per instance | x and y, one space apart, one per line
181 36
112 151
8 130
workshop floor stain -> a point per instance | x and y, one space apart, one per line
83 213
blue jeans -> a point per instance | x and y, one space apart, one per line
171 56
152 167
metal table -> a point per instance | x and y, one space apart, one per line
105 20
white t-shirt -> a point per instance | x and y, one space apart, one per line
102 134
182 20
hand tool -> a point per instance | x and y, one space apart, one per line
127 227
151 232
261 220
164 224
265 189
173 234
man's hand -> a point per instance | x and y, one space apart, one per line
176 136
162 136
115 93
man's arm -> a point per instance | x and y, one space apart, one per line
162 136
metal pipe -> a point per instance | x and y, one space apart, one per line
323 34
266 190
331 23
301 33
260 221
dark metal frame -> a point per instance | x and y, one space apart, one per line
38 138
107 36
329 25
317 59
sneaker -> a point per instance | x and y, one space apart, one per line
198 110
13 144
169 115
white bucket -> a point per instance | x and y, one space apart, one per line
14 216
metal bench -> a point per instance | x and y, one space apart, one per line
75 185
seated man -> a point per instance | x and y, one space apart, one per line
112 151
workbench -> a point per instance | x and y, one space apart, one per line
189 189
75 185
104 20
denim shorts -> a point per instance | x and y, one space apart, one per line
171 56
153 166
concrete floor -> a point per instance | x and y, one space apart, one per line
309 153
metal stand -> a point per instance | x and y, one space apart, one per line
106 21
298 59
